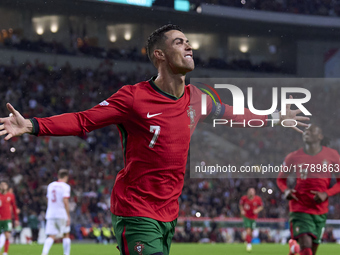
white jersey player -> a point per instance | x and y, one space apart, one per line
58 214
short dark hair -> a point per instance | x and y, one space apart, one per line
158 37
62 173
5 181
326 140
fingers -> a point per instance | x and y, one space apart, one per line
9 136
294 197
297 130
317 199
293 190
10 108
2 126
302 118
313 192
3 132
288 105
302 124
297 111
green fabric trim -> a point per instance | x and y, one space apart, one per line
33 128
152 80
124 135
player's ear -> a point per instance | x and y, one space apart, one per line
158 54
321 137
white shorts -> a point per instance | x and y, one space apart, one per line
56 227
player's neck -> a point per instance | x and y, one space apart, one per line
312 149
172 84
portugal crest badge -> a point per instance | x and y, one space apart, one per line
191 114
139 247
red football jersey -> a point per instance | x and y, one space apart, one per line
155 130
307 179
249 205
7 206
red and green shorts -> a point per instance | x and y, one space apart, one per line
310 224
5 226
143 236
249 223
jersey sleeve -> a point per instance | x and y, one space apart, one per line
14 208
241 201
281 180
260 201
336 187
67 191
114 110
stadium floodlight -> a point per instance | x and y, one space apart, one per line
40 30
244 48
54 28
127 36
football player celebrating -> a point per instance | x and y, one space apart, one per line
156 119
308 201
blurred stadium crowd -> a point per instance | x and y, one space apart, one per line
311 7
31 163
79 46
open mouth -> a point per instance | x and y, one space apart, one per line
188 56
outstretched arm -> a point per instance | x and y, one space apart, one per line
111 111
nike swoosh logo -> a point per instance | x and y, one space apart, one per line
152 115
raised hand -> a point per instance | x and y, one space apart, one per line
319 196
290 194
292 115
15 124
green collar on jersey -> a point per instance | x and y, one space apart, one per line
155 87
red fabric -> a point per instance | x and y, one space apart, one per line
316 181
6 246
248 238
306 251
249 205
126 247
152 178
335 189
8 206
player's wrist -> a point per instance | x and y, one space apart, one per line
286 193
327 194
276 118
29 127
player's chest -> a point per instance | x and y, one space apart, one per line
169 116
4 201
251 204
314 167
